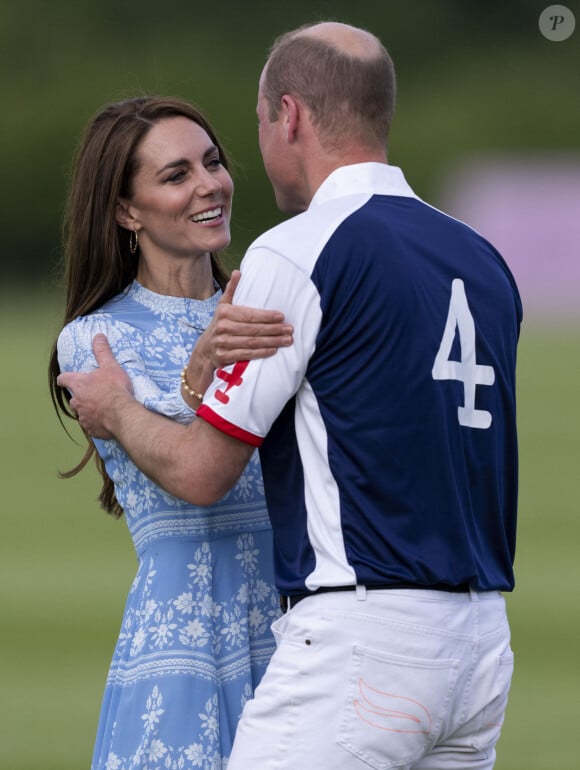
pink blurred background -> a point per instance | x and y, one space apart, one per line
529 208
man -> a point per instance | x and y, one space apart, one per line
387 434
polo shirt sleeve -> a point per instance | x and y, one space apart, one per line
246 398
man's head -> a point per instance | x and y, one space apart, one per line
343 75
344 80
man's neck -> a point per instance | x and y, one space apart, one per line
323 165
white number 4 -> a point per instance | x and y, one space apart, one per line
467 371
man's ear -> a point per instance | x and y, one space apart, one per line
123 215
291 112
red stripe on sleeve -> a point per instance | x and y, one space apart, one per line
224 426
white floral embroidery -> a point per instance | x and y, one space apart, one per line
138 641
184 603
162 631
113 762
151 717
157 750
194 634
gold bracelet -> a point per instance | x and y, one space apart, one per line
190 391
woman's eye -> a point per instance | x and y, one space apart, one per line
214 163
176 177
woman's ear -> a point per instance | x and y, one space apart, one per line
123 215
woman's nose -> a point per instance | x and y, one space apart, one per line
208 184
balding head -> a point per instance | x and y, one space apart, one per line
342 74
348 40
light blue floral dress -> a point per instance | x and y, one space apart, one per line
195 637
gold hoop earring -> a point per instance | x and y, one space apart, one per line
133 241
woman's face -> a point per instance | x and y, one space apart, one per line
182 195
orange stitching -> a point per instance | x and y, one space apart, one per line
421 717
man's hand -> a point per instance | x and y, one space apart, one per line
97 395
238 333
194 462
235 333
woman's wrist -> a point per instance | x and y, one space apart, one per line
186 387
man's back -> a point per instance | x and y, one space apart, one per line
406 419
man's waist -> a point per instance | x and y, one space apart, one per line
289 600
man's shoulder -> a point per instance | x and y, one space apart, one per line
307 233
297 226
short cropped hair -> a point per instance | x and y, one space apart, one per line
348 96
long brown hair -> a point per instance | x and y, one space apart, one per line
98 263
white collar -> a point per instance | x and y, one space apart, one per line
363 178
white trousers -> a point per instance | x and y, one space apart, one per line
379 679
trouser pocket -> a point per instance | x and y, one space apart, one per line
394 706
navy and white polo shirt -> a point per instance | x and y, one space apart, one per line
388 430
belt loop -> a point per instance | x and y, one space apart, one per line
361 593
473 594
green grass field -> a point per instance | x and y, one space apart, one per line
65 567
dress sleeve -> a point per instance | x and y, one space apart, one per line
75 354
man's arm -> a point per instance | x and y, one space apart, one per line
195 462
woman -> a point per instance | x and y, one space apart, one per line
149 207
